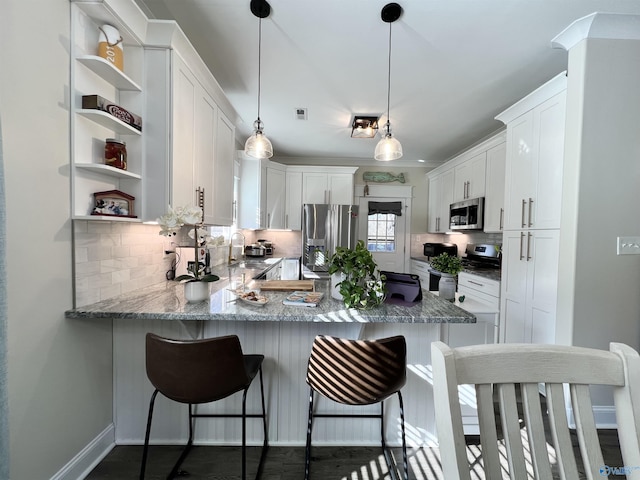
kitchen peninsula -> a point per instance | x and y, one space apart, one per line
284 334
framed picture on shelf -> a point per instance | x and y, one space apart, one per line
113 203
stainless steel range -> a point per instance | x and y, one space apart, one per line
483 257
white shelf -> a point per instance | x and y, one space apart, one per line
108 121
107 218
109 72
107 170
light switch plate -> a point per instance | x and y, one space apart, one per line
628 246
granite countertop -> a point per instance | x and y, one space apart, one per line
165 301
490 273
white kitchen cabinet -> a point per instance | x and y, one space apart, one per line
293 198
421 269
440 200
328 185
275 196
533 172
494 194
469 178
252 196
529 286
223 171
190 142
91 74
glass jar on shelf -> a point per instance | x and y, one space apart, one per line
115 153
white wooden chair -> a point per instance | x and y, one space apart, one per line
500 368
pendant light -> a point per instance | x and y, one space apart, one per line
388 147
258 145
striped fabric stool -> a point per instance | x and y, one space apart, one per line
357 372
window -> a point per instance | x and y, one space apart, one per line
381 232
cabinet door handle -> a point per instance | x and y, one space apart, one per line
286 221
530 203
524 203
529 246
200 199
501 218
521 242
268 220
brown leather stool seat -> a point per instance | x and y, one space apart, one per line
202 371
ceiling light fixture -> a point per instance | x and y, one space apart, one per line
388 147
258 145
364 126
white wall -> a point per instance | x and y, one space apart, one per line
60 394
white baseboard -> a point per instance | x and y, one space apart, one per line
87 459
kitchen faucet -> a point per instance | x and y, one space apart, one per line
231 257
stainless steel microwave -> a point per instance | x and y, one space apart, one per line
467 215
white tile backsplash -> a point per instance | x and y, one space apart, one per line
112 258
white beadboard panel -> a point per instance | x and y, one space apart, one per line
286 347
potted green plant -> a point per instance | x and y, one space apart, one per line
196 288
447 266
356 277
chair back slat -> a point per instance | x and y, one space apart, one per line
519 434
488 431
535 431
556 406
511 429
196 371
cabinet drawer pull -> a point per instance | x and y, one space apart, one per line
524 203
501 218
530 203
528 246
476 283
521 242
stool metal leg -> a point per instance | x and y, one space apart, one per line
145 450
175 471
307 454
265 443
404 438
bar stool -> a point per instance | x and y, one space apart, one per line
357 372
202 371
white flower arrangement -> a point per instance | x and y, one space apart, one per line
171 223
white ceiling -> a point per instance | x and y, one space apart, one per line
455 65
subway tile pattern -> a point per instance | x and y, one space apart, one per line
113 258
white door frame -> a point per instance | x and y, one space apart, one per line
402 193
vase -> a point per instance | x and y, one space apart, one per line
335 289
447 287
196 291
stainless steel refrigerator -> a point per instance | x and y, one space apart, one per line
325 227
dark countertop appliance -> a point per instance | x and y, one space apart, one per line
435 249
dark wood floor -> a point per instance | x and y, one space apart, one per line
284 463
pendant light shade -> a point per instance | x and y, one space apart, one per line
258 145
389 148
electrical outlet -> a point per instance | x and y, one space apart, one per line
628 246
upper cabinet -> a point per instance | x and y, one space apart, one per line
184 152
440 198
469 178
92 74
190 142
293 210
535 152
476 172
494 191
328 185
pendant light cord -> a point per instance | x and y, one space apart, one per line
259 62
389 82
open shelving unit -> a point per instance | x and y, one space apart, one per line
93 75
